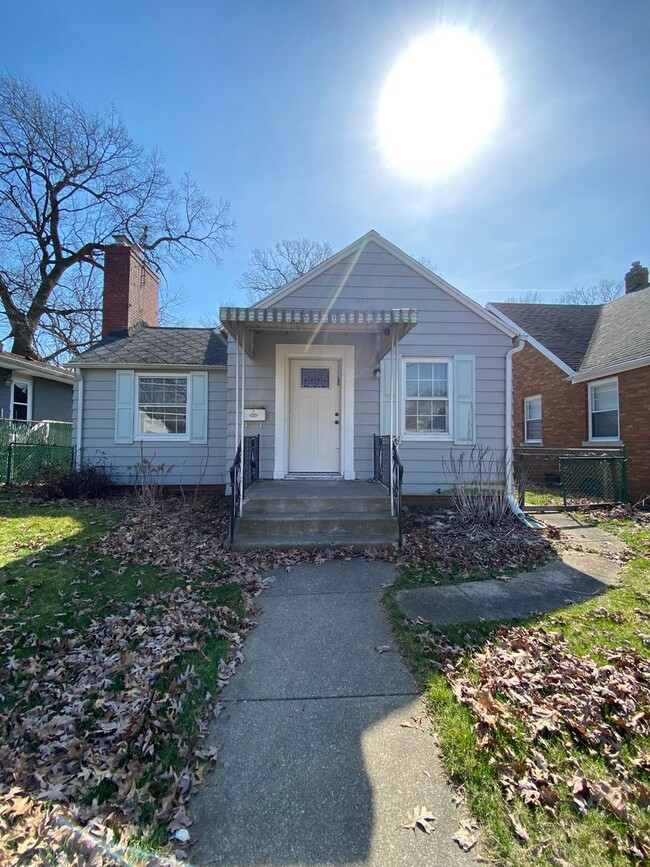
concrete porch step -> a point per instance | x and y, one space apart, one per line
315 513
244 542
322 523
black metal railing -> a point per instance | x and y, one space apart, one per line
572 476
242 475
382 474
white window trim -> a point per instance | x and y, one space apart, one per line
448 436
158 437
29 384
590 387
541 418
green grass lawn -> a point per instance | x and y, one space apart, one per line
57 594
593 829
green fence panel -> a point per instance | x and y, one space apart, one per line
28 463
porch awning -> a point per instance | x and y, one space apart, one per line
243 322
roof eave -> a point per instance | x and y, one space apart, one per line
36 370
141 365
597 372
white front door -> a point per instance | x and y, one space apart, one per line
315 417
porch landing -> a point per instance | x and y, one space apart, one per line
301 513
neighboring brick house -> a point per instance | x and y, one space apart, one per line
583 377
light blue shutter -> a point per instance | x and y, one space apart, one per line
199 407
124 401
385 367
464 432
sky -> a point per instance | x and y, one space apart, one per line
273 105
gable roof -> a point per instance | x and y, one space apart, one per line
356 247
587 340
35 368
622 333
564 329
153 346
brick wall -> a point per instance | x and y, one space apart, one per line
634 409
564 406
130 290
565 421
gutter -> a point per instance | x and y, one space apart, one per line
512 500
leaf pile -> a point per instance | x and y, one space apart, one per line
463 551
87 715
192 540
562 728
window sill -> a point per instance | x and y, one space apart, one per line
532 443
602 442
161 438
413 437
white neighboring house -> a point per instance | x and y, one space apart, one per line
369 342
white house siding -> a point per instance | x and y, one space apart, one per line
190 464
375 279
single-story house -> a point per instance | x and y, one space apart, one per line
582 379
369 342
34 390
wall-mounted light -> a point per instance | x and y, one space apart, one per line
376 372
8 378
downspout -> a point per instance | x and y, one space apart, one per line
512 500
80 418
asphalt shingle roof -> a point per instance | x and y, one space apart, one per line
564 329
146 345
622 332
589 336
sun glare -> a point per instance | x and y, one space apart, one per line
441 101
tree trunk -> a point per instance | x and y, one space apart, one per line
23 334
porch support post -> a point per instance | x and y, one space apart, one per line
243 397
393 409
236 394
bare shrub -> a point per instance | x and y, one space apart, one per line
478 480
149 483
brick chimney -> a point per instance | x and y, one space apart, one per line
130 288
636 278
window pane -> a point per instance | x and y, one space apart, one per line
604 424
314 377
533 429
162 405
604 397
426 404
533 407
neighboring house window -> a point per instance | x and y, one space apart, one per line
603 410
533 419
20 400
427 398
162 403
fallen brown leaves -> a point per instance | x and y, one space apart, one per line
532 690
462 551
89 713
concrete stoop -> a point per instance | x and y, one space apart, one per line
296 513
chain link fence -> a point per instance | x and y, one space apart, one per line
31 450
571 477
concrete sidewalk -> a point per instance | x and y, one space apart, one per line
584 569
315 768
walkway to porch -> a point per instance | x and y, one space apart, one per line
307 513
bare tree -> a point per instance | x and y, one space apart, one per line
273 267
600 293
530 297
69 181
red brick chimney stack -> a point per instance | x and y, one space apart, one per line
636 278
130 288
